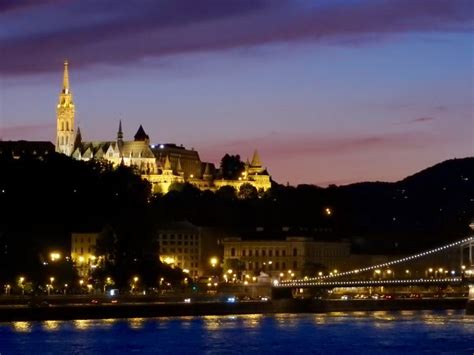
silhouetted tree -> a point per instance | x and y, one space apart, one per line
231 167
247 191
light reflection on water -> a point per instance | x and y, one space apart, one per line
22 327
51 325
251 321
337 332
286 320
82 324
136 323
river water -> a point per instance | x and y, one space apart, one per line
332 333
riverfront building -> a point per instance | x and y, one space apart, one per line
293 255
83 251
180 246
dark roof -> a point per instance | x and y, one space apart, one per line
141 135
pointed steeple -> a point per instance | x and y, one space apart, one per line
66 78
120 139
256 160
120 133
78 139
65 136
167 165
178 166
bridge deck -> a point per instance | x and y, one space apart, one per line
364 283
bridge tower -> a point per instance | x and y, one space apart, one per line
468 271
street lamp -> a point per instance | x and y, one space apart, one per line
54 256
21 280
135 280
213 261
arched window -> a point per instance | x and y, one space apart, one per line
62 126
232 252
295 252
67 126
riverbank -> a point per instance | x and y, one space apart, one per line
174 309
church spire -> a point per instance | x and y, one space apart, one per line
66 78
65 131
120 133
78 140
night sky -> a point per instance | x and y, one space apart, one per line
328 91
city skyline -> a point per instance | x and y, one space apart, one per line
325 97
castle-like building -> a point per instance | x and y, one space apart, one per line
160 164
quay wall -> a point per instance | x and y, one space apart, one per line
135 310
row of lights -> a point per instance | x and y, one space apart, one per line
394 262
369 282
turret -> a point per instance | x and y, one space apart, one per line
256 163
167 165
207 175
179 169
256 166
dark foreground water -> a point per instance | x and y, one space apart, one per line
333 333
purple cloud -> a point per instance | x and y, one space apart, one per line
275 146
113 32
422 119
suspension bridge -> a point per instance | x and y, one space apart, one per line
363 277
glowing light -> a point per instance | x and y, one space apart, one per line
54 256
168 260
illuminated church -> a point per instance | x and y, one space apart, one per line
160 164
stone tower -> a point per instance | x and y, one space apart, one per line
65 117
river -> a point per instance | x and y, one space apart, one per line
333 333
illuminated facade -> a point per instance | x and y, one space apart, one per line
65 111
160 164
294 255
180 245
83 251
